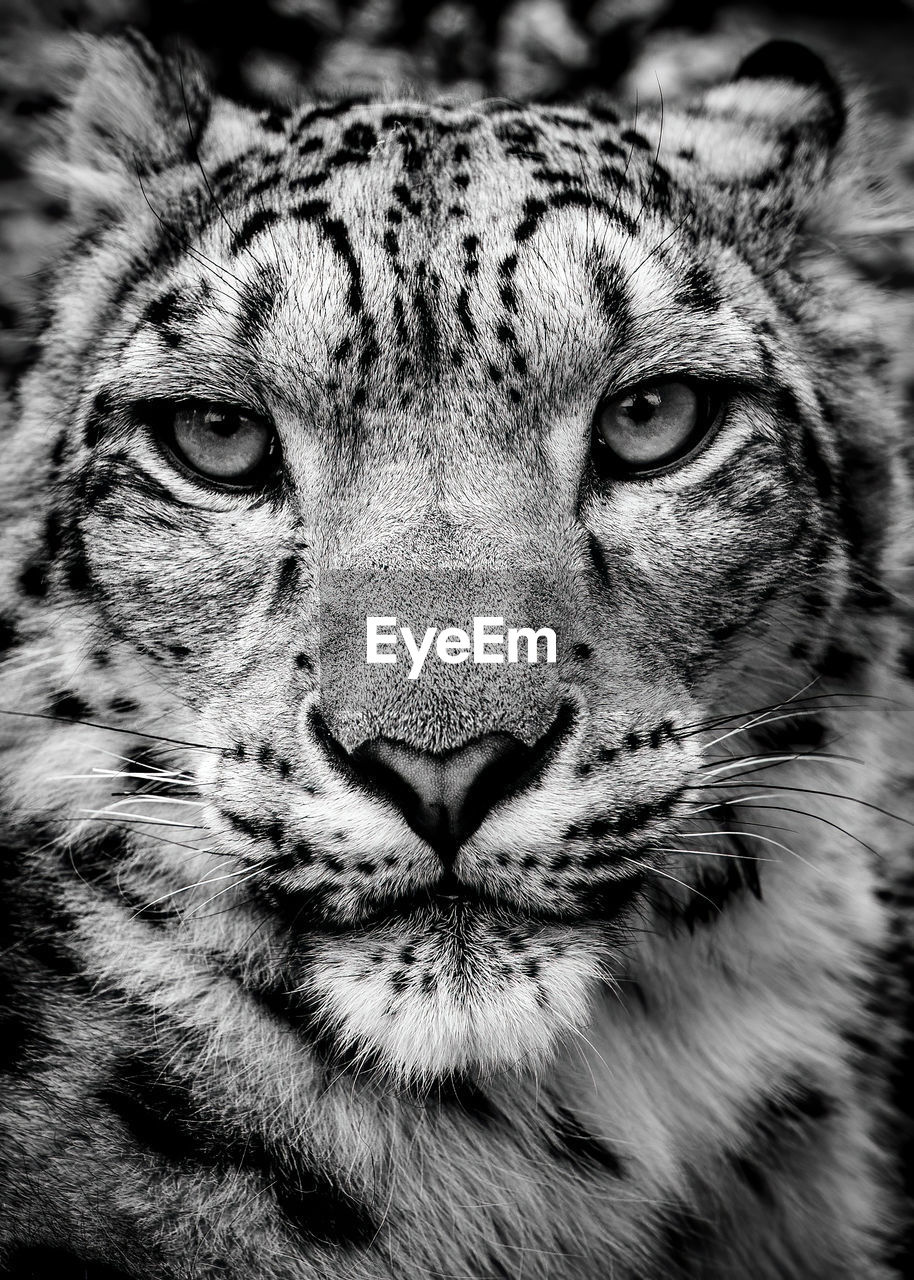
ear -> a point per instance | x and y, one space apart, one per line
773 127
787 86
132 114
802 85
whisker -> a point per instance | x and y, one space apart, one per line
814 791
803 813
768 762
134 798
103 815
111 728
691 728
711 853
751 835
682 883
96 774
214 879
252 874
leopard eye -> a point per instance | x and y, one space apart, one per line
222 443
650 426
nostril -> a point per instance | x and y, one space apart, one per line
445 796
442 796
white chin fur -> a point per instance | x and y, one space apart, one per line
421 999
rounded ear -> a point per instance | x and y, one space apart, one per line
773 127
133 113
795 64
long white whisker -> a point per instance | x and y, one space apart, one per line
143 799
657 871
753 763
752 835
709 853
250 876
105 815
209 879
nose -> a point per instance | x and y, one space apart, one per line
445 796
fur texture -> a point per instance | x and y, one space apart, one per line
247 1036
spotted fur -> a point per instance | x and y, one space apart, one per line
246 1032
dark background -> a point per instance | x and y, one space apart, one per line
278 50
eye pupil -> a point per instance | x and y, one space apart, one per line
643 406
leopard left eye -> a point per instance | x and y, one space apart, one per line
651 426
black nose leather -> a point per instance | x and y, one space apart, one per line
445 796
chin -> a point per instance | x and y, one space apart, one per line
439 993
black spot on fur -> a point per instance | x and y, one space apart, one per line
356 145
714 890
123 706
258 298
335 232
799 1102
33 579
457 1094
684 1241
273 121
161 313
534 209
156 1109
22 1022
286 583
157 914
402 193
28 1263
698 289
571 1141
838 663
252 227
754 1176
318 1208
635 139
463 312
258 829
598 560
8 634
814 461
799 733
59 452
70 706
100 411
309 181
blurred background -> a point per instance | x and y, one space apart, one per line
279 50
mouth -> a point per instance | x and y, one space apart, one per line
450 901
